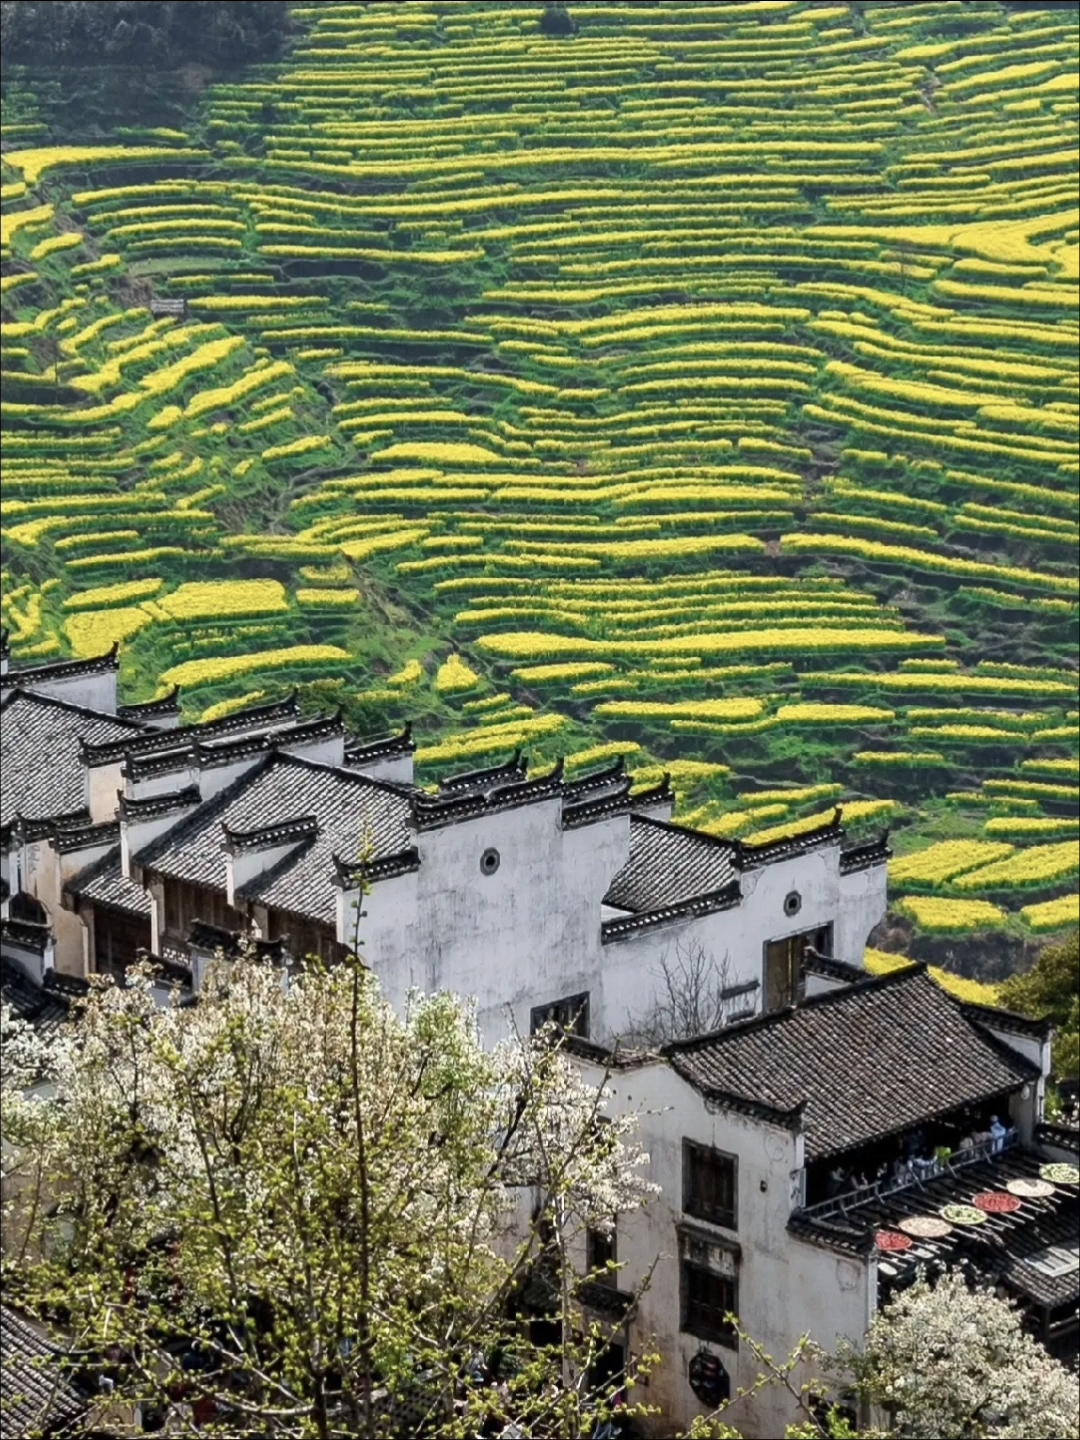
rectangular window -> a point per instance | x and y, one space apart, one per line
710 1184
706 1299
784 961
570 1015
600 1249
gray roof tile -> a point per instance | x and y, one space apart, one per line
1006 1249
866 1061
668 864
41 774
35 1395
350 807
104 883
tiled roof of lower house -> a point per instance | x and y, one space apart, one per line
45 1009
41 774
668 864
865 1061
352 811
104 883
36 1396
1014 1249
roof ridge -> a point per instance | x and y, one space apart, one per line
19 692
93 870
1024 1022
342 771
206 810
716 840
812 1002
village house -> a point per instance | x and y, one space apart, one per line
807 1152
542 897
810 1160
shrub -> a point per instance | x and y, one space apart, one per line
104 595
1041 865
809 714
489 740
734 709
852 810
1029 827
328 597
549 674
411 673
557 21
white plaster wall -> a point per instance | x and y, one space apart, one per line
393 769
633 974
212 779
103 782
136 835
737 936
786 1286
523 937
530 933
44 877
760 918
93 692
330 750
862 901
244 866
162 784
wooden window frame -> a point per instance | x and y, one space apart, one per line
718 1332
575 1009
693 1151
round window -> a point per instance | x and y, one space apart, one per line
489 861
709 1380
792 902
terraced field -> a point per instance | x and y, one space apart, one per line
704 382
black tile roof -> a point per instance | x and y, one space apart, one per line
104 883
45 1009
351 809
41 774
503 789
29 675
367 749
481 781
668 865
36 1396
1003 1248
150 741
787 847
168 704
867 1060
830 968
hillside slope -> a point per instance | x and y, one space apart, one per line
706 379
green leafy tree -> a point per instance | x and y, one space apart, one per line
158 32
1051 990
289 1211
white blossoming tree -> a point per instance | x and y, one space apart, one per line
947 1359
289 1211
939 1360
